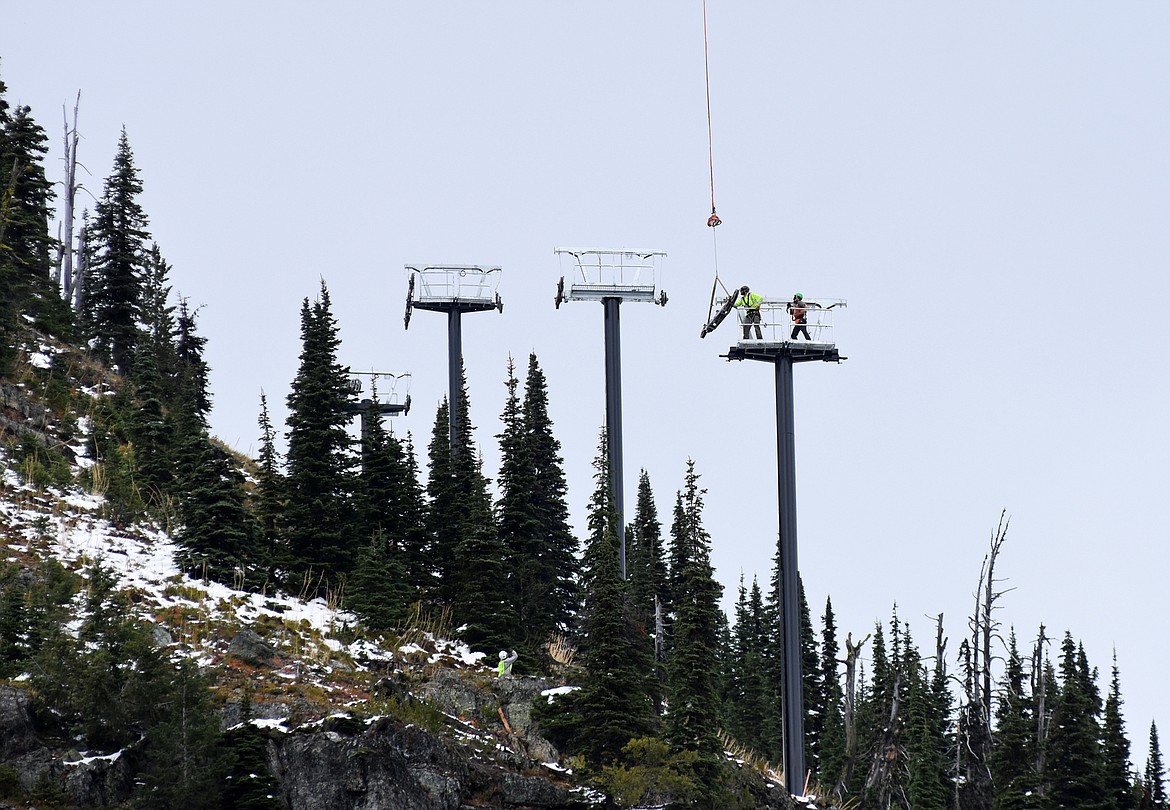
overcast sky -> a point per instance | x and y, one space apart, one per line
987 185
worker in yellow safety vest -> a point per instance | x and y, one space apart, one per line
750 303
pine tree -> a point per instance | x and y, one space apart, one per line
1012 755
1117 776
25 245
443 506
268 500
612 701
185 765
749 696
813 696
558 557
378 588
481 605
191 370
320 464
517 524
218 535
248 784
645 563
928 786
1154 782
832 746
532 514
693 699
113 301
1073 753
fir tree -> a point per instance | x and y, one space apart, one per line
1073 755
378 588
185 765
248 784
113 301
1117 776
268 499
612 701
645 563
813 697
557 569
481 605
1154 783
832 744
693 699
1012 755
25 245
191 368
532 514
218 535
320 465
443 506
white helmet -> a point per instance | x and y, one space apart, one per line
503 654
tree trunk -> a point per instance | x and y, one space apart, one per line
65 276
851 653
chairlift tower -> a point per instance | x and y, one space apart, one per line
394 403
611 277
454 289
779 345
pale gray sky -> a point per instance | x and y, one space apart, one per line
988 185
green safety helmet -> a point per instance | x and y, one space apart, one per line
799 295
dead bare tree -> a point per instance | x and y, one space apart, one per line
851 653
974 729
882 781
64 274
1040 694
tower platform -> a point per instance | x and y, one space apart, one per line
458 287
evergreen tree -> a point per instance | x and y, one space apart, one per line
443 506
1012 755
379 591
113 301
249 785
1073 755
320 465
390 514
482 606
517 524
832 744
191 368
184 765
813 697
533 514
1154 783
694 711
612 701
749 697
645 563
268 500
218 535
25 245
926 713
1118 779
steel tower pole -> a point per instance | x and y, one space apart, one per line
791 680
613 418
454 373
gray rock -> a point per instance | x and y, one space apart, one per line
250 648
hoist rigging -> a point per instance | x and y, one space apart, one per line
713 221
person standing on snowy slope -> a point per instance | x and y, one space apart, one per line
504 669
750 303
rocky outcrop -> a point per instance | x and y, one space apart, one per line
102 781
390 764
